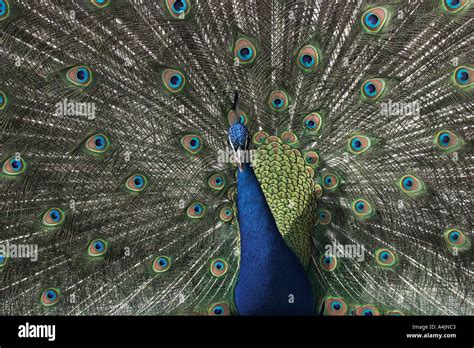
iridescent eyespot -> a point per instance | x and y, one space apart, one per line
312 123
136 183
173 80
53 217
219 267
278 101
358 144
226 214
328 263
178 8
289 138
216 182
219 309
196 210
411 185
3 259
464 76
374 19
161 264
308 58
4 9
330 181
447 141
367 311
456 240
100 3
192 143
372 89
259 137
231 194
362 209
318 191
311 158
242 117
13 166
395 313
3 99
97 143
97 247
335 306
453 6
80 76
50 297
385 258
244 51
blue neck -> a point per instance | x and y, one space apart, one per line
271 281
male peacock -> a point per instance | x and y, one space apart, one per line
120 130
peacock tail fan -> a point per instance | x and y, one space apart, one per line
118 183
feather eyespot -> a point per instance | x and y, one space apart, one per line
4 9
196 210
278 100
219 267
192 143
173 80
453 6
411 185
219 309
464 76
241 118
311 158
330 181
100 3
361 208
50 297
395 313
53 217
447 141
178 8
456 239
161 264
97 143
289 138
259 137
367 311
3 259
226 214
312 123
358 144
14 166
308 58
372 89
97 247
244 51
385 258
216 182
328 263
3 99
374 19
80 76
325 217
335 306
136 183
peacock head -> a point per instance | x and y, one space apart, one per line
239 140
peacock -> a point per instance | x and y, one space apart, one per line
236 157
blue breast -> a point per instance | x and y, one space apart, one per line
271 280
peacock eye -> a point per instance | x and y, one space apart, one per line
14 166
3 99
395 313
311 158
447 141
289 138
330 181
312 123
358 144
219 309
4 9
100 3
464 76
53 217
411 185
456 239
173 80
453 6
367 311
216 182
226 214
244 51
308 58
178 8
219 267
49 297
241 118
278 100
3 259
80 76
372 89
385 257
328 263
136 183
97 143
259 137
335 306
97 247
361 208
192 143
196 210
161 264
374 19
